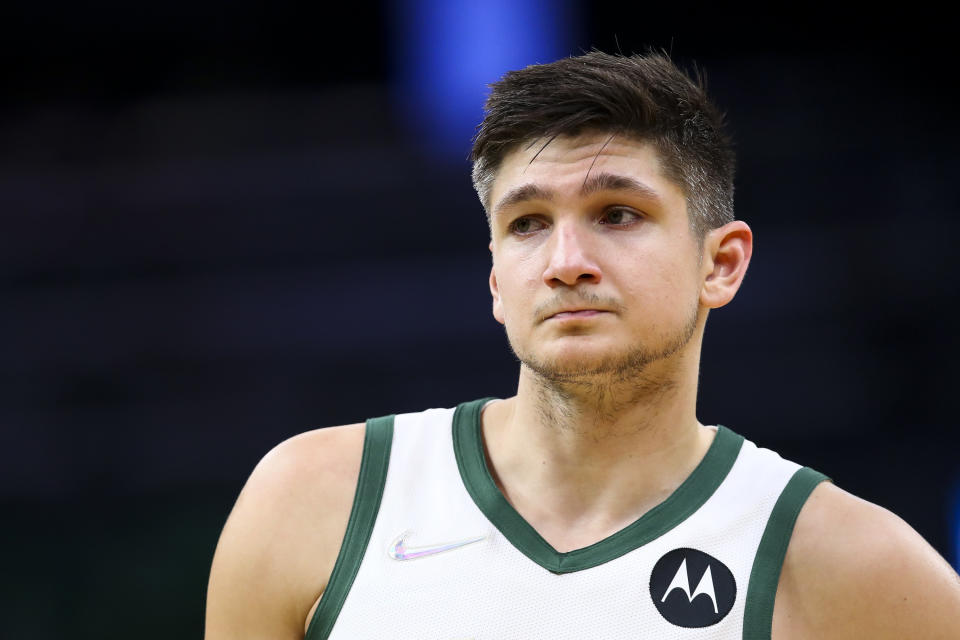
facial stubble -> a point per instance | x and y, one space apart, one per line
632 367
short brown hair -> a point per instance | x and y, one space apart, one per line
646 97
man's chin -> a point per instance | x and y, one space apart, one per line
595 359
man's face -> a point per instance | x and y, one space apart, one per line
595 268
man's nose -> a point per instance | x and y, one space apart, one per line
571 256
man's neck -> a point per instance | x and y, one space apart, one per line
581 460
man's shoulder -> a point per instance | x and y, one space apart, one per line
282 538
305 476
855 570
306 483
321 455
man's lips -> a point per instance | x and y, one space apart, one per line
583 309
576 314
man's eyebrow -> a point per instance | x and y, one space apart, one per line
614 182
593 184
523 193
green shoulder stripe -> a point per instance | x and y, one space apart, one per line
366 503
765 575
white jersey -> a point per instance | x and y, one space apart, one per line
433 551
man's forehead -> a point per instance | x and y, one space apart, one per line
575 159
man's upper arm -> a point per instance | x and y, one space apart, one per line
855 570
281 540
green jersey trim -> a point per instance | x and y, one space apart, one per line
366 504
686 499
765 575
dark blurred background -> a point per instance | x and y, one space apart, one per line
227 223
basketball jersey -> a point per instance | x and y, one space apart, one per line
433 550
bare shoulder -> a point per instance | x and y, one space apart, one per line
282 538
856 570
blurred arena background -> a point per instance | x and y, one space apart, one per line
227 223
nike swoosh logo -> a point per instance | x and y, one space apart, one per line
399 550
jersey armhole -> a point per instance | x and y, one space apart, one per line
375 459
767 564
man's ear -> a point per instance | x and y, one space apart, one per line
495 292
726 254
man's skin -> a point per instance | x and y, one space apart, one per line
604 289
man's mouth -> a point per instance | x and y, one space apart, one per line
584 309
576 313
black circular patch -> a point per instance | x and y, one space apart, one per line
692 589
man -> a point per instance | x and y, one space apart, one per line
593 504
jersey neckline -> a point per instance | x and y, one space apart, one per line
686 499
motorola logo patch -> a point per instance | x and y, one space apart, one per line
692 589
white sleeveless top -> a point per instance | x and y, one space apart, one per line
433 551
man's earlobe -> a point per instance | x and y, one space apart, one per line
495 293
726 255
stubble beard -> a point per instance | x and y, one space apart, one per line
629 373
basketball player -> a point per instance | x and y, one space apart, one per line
592 504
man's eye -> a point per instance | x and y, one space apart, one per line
525 225
619 216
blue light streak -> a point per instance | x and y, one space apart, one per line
448 51
955 525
